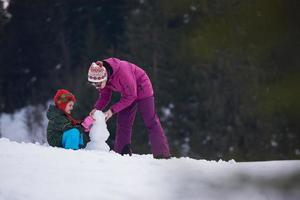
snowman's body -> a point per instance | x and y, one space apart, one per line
98 133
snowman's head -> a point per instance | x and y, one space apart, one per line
99 117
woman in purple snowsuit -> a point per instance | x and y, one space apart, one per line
136 91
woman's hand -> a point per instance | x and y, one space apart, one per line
92 113
108 114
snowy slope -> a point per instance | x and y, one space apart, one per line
35 172
13 126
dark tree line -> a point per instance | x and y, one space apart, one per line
226 73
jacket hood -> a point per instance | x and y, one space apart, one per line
53 112
114 63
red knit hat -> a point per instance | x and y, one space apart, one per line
62 98
97 72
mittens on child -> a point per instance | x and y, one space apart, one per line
87 123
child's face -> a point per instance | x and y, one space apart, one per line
69 107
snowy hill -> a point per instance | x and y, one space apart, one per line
35 172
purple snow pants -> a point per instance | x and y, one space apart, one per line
125 119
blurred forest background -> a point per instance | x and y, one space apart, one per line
226 73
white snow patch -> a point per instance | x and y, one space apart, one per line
58 66
186 18
31 171
193 8
167 112
33 79
274 143
5 3
13 126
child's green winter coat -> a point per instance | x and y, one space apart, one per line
58 123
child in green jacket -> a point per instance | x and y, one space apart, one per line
63 130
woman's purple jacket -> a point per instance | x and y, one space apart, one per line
128 79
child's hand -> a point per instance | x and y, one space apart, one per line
108 114
87 123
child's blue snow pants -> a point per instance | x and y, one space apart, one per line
72 139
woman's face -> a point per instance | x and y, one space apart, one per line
69 107
100 85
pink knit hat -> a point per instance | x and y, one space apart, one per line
97 72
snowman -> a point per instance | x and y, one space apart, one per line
98 133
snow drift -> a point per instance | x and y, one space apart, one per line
32 171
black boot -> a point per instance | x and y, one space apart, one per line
126 150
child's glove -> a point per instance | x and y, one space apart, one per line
87 123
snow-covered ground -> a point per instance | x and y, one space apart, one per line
35 172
